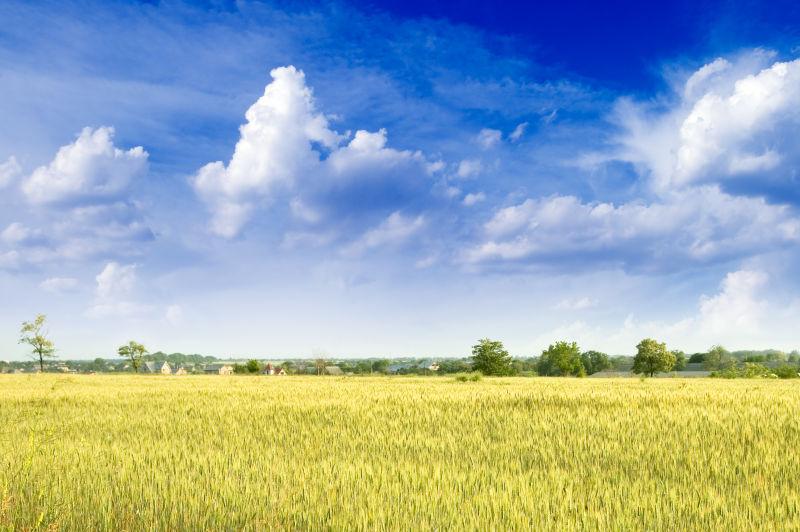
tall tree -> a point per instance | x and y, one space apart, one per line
561 358
594 361
135 353
652 357
320 364
34 334
680 360
718 358
491 358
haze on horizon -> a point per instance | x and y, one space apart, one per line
288 178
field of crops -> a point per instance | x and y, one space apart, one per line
136 453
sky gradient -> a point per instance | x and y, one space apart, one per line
399 178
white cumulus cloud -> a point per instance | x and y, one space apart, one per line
8 171
732 119
89 168
697 226
287 146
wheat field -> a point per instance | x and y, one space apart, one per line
379 453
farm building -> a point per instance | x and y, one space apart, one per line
430 365
218 369
157 367
180 370
269 369
333 370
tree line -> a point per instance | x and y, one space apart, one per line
489 357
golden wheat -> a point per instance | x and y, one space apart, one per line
144 453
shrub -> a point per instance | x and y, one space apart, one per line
786 371
469 377
750 370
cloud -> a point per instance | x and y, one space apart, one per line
58 285
732 122
9 260
700 226
395 229
115 281
736 307
9 170
735 315
113 292
88 169
287 145
518 132
17 233
576 304
489 138
469 168
473 198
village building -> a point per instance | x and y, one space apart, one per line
333 370
430 365
269 369
162 368
218 369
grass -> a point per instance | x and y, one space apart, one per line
208 452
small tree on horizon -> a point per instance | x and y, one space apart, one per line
135 352
680 360
718 358
652 357
594 361
560 359
33 334
491 358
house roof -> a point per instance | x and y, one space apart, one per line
333 370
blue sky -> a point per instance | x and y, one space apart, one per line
399 178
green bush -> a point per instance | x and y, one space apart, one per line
786 371
469 377
751 370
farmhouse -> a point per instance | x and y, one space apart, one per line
333 370
430 365
180 370
218 369
155 367
269 369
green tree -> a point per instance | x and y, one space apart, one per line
320 364
718 358
491 358
380 366
561 358
652 357
680 360
594 361
253 366
135 352
33 334
697 358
